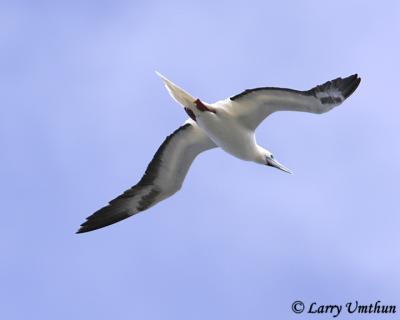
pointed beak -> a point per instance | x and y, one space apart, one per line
276 164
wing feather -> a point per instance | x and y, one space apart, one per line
163 177
252 106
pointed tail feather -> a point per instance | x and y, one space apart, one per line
177 93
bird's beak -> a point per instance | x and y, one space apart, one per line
276 164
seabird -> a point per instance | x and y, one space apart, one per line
229 124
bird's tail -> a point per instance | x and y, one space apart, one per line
177 93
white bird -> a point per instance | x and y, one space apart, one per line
229 124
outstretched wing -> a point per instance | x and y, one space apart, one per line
163 177
252 106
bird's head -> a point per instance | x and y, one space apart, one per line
267 158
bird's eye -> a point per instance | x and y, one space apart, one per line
272 156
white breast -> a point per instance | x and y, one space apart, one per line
228 134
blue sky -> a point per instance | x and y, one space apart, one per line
82 113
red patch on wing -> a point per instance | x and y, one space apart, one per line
201 107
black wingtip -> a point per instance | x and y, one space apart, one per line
350 84
86 229
83 229
346 87
103 218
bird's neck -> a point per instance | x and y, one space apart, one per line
259 156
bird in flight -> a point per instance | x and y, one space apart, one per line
229 124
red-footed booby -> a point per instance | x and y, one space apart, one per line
229 124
